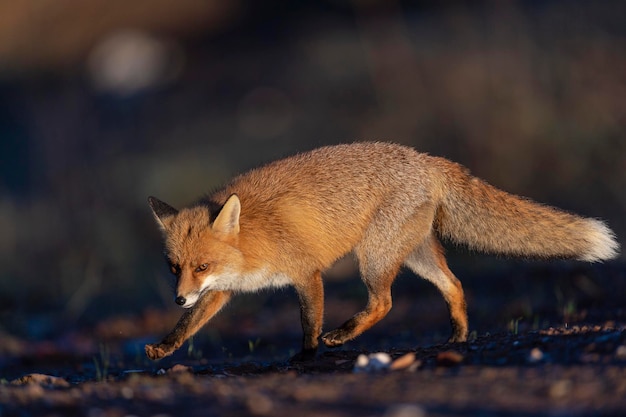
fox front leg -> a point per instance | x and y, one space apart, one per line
191 321
311 297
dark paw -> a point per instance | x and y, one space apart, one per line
335 338
158 351
305 355
458 338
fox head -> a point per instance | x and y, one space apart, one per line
202 251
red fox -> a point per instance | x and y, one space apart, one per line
288 221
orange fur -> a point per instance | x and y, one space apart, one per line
286 222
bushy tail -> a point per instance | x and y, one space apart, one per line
487 219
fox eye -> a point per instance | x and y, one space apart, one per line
202 267
175 269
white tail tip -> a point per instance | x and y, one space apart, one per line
602 242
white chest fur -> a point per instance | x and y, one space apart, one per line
245 282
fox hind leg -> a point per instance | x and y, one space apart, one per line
381 253
428 261
378 305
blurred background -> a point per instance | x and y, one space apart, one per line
104 102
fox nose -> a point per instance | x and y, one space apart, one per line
180 300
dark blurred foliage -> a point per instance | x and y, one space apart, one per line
103 103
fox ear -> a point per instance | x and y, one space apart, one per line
227 221
163 212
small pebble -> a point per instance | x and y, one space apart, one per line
179 368
449 358
374 362
535 355
43 380
403 362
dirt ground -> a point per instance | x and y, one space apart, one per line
553 344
